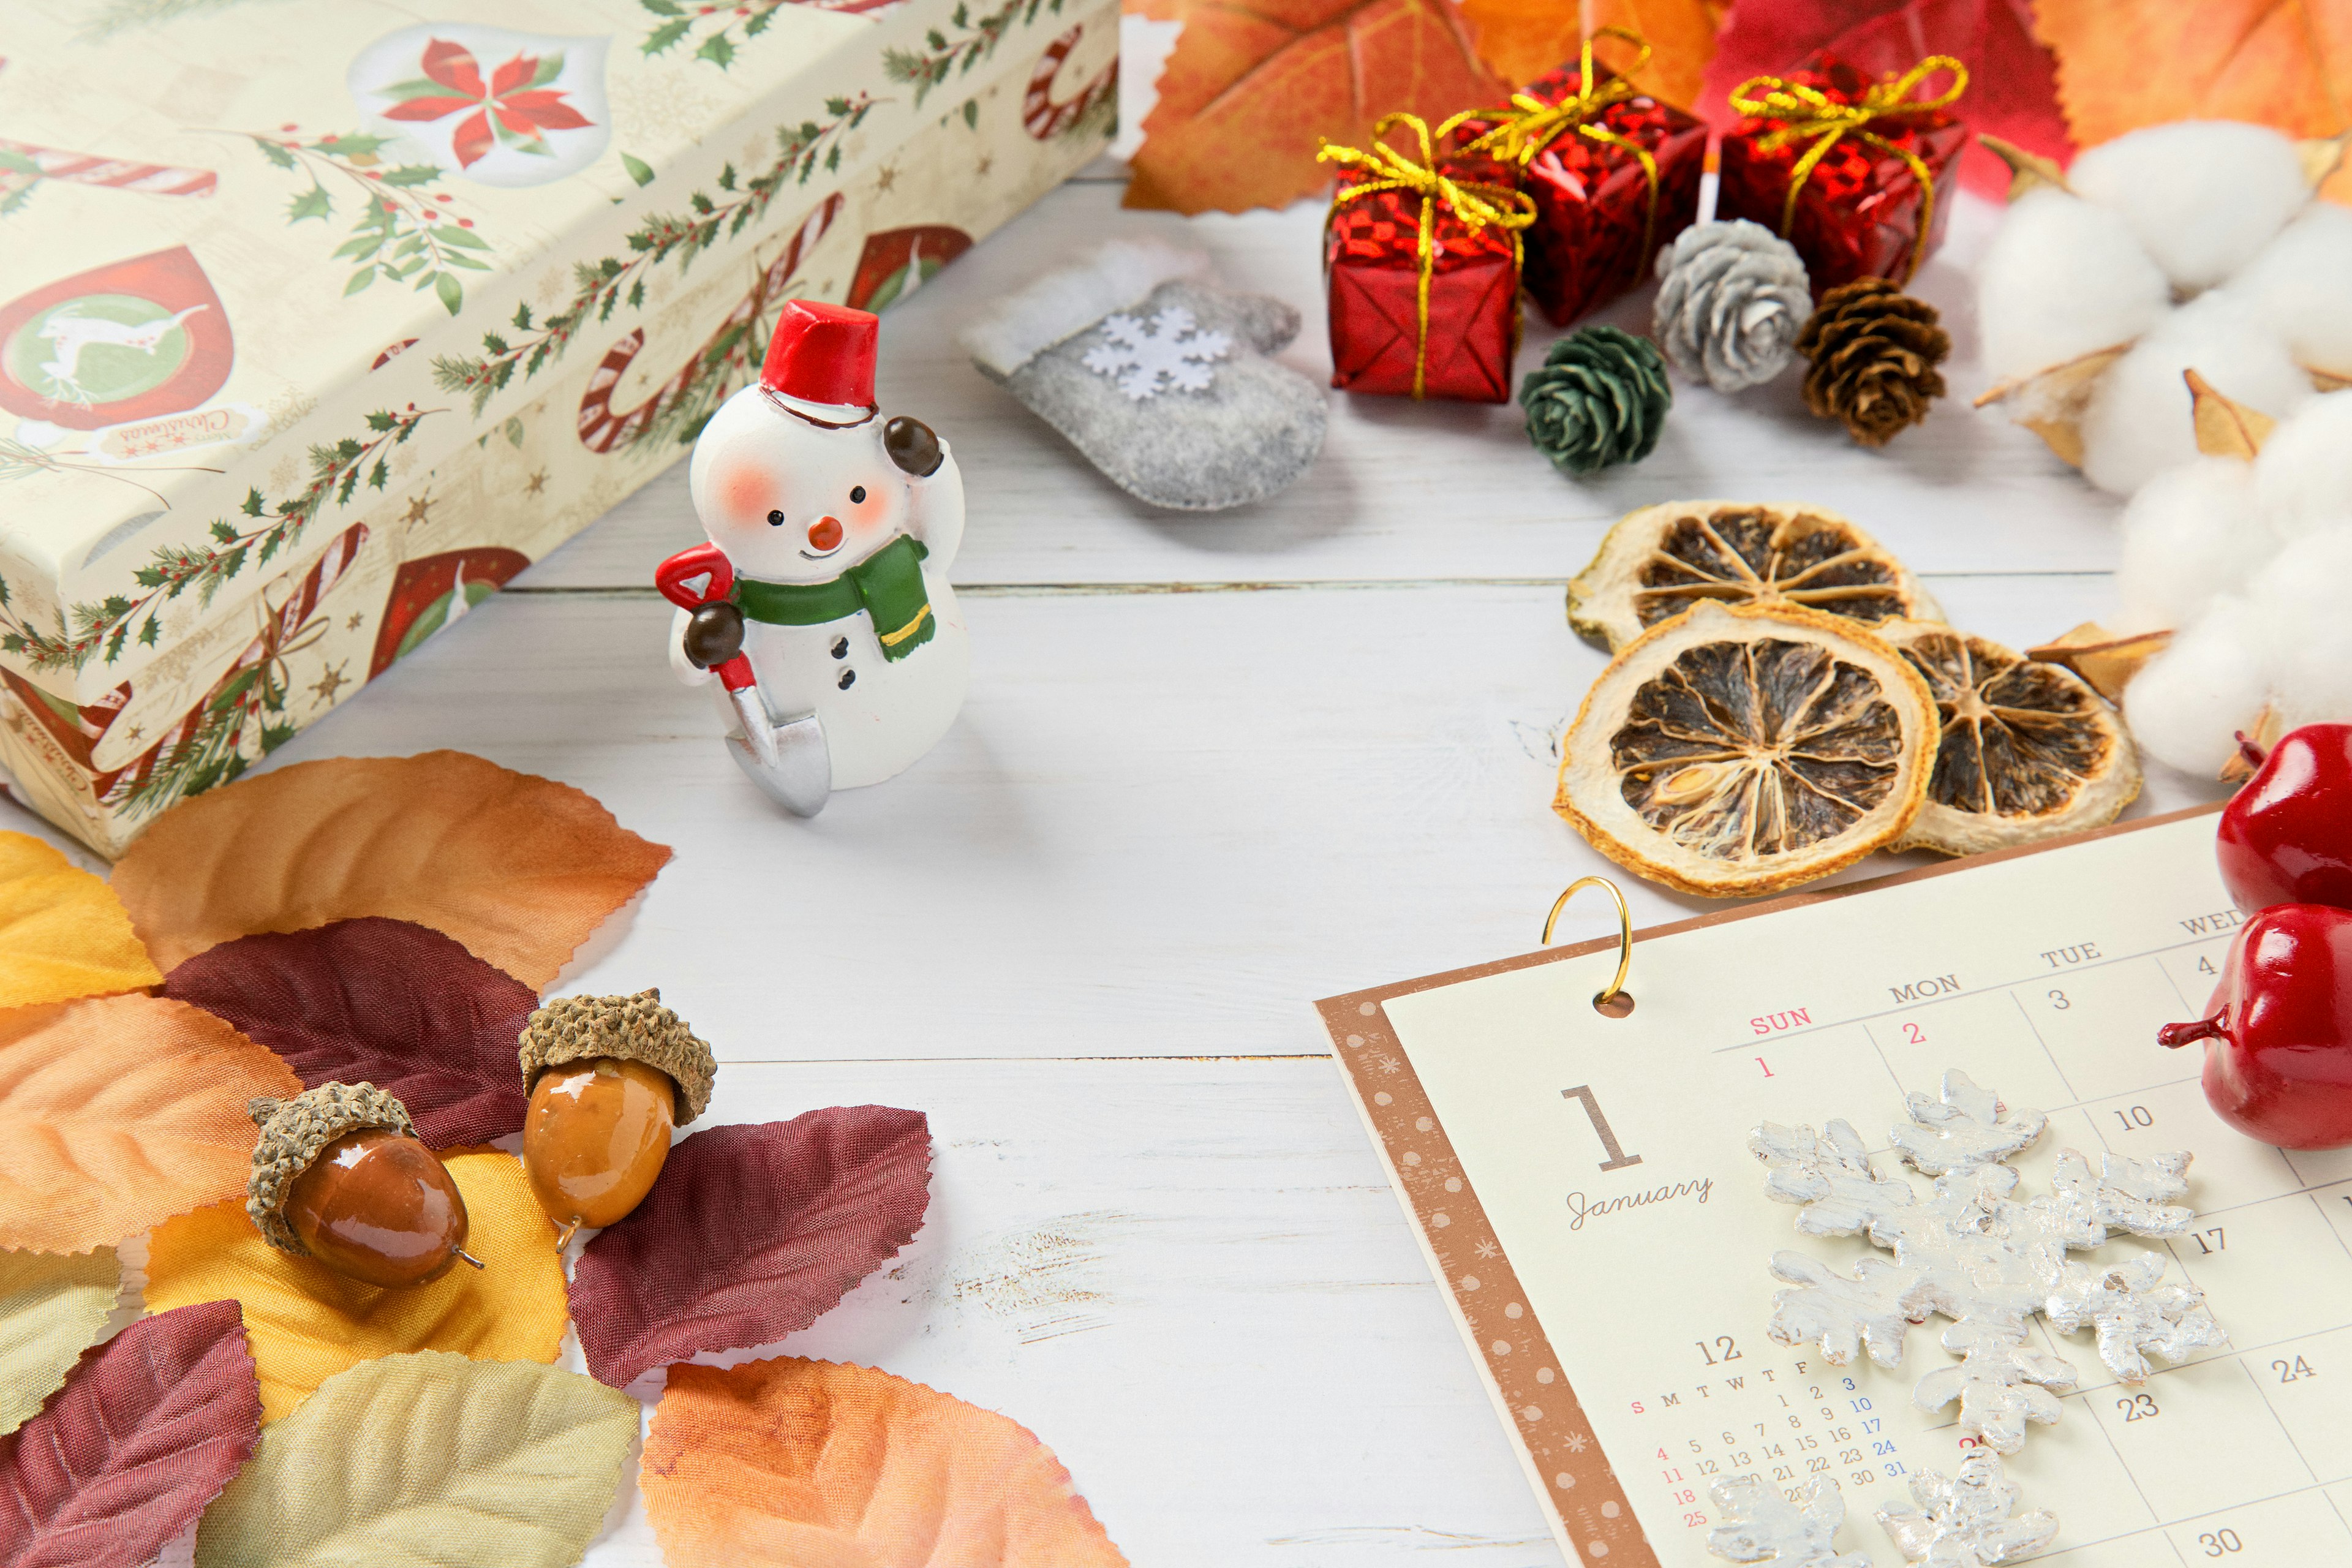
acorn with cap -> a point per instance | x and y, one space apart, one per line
821 604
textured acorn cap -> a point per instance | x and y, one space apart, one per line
293 1132
581 1029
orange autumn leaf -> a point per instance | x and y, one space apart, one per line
1252 84
117 1113
63 933
519 869
2123 64
306 1323
1521 39
809 1461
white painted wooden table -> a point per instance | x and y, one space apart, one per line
1211 768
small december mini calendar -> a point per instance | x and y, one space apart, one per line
1584 1188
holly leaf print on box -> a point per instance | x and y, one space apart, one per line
680 20
515 107
408 231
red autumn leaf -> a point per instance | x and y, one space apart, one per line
452 64
2012 76
146 1433
1253 83
751 1233
382 1002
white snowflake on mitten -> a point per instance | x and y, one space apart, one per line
1760 1525
1965 1523
2134 1312
1166 352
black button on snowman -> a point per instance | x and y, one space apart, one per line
821 602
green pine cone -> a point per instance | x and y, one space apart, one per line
1601 398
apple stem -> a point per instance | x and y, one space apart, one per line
2172 1037
2247 749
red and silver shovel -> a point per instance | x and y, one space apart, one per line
788 761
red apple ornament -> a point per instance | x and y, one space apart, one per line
2286 836
2278 1034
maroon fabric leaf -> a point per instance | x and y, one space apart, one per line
2012 76
380 1001
751 1233
143 1436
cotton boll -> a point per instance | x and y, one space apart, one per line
2064 278
2298 599
2302 285
2190 534
2304 477
2188 702
2139 422
2203 195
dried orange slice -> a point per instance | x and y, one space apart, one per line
1660 561
2027 750
1745 749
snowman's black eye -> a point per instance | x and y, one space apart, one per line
775 520
856 495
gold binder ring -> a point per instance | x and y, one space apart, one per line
1615 1001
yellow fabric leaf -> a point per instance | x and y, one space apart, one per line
117 1113
63 933
52 1308
813 1462
428 1458
306 1323
519 869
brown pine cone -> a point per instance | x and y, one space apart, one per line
1873 349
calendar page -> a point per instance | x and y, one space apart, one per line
1585 1193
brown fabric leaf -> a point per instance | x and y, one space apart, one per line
809 1461
147 1431
519 869
382 1002
752 1232
117 1113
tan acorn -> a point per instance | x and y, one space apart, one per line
339 1176
610 1077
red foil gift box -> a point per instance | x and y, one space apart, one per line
1422 270
1855 172
1613 174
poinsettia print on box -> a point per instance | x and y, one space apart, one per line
320 322
501 107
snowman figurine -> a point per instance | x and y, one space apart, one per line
821 604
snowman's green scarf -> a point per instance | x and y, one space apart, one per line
887 584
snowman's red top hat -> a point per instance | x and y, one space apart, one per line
819 363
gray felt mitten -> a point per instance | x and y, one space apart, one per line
1158 376
1733 297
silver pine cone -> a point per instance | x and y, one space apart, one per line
1734 299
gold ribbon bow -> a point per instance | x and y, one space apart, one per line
1475 202
1529 125
1813 115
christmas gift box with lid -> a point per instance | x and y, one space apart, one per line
320 322
1613 174
1420 260
1857 172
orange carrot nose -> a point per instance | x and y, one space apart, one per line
824 534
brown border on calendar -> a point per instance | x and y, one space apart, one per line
1555 1439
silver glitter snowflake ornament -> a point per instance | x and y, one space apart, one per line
1970 1252
1761 1524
